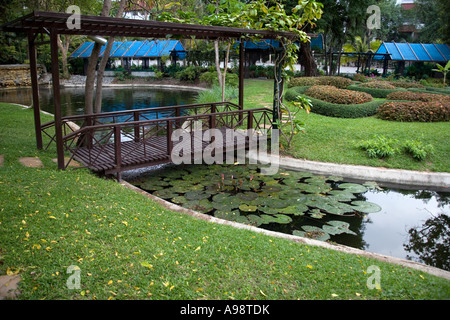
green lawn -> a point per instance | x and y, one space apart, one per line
331 139
129 247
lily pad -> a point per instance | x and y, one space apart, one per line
247 208
296 210
366 206
179 199
196 195
152 185
227 214
282 219
337 227
341 195
268 210
165 193
254 220
353 187
314 188
202 206
247 196
312 232
316 214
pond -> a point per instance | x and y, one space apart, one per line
114 99
408 224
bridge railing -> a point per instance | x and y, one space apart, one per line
113 146
86 120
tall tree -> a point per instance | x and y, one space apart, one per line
104 61
92 65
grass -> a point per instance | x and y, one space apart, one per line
129 247
331 139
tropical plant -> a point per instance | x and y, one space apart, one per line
443 70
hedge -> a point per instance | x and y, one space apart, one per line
332 109
374 92
338 82
409 111
292 93
377 85
418 96
444 91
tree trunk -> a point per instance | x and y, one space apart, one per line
307 60
93 59
103 62
225 71
219 73
64 48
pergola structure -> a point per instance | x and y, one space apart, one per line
54 24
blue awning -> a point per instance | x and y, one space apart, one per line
316 43
134 49
415 52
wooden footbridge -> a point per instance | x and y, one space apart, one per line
113 142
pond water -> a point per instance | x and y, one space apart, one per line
114 99
408 224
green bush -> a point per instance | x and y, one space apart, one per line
211 78
338 96
190 73
374 92
417 149
409 111
418 96
332 109
379 147
382 147
338 82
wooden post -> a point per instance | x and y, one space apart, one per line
136 126
276 89
35 88
117 147
57 98
250 120
169 137
241 77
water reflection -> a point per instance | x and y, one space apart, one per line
391 231
114 99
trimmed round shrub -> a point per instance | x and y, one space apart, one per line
409 111
406 84
377 85
418 96
338 96
332 109
374 92
339 82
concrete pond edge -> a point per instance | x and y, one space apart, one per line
337 247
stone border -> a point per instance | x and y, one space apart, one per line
337 247
134 85
394 177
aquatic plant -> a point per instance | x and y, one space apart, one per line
241 193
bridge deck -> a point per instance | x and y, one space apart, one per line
148 152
